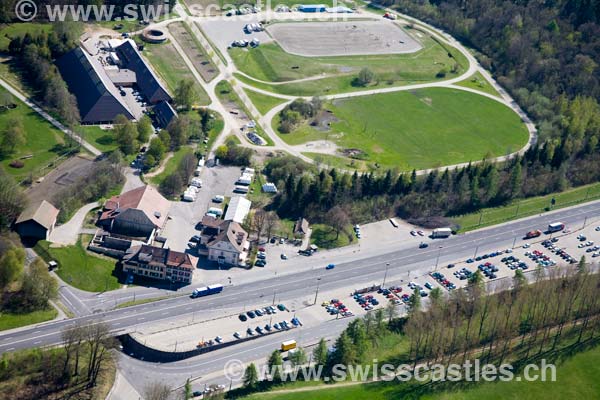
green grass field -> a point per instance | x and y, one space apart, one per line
478 82
263 102
43 141
172 69
419 129
79 268
269 62
11 321
523 208
576 378
101 139
324 236
171 165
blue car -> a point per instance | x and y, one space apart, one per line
129 279
330 266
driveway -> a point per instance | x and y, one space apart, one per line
68 233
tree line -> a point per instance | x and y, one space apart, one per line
35 54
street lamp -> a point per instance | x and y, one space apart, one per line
387 265
317 292
437 260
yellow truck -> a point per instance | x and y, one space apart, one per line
288 345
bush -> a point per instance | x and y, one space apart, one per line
17 164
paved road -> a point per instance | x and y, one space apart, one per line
358 272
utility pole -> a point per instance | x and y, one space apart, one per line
584 222
317 292
274 292
437 260
476 250
387 265
514 242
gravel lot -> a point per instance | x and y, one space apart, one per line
343 38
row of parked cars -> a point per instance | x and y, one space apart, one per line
335 307
488 255
441 278
551 246
367 302
259 312
278 326
514 263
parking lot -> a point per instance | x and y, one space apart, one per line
184 216
343 38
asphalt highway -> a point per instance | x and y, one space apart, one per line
295 285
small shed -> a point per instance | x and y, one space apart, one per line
302 227
37 221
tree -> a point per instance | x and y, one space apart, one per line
149 161
414 302
13 137
250 376
39 287
275 363
391 310
126 134
11 266
171 185
179 131
156 149
157 391
185 94
187 390
298 357
144 128
365 77
320 353
344 353
98 342
12 200
337 219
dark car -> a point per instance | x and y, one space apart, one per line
242 317
423 245
251 314
195 239
281 307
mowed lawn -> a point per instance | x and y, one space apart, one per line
269 62
576 378
43 143
263 102
420 129
102 139
79 268
11 321
169 65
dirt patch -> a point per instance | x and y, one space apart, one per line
427 100
196 54
354 153
63 176
322 122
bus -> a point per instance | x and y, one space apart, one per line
288 345
556 227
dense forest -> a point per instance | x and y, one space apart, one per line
545 54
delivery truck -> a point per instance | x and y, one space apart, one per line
441 233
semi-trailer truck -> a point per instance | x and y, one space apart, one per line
207 290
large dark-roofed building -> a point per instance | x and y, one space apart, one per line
165 113
147 81
98 99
